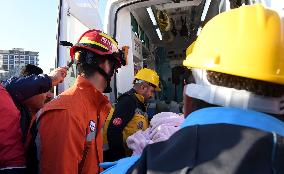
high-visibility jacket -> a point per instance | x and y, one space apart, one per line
128 117
69 138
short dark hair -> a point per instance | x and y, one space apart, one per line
30 69
87 65
188 77
257 87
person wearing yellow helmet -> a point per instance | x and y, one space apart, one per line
129 115
238 67
187 108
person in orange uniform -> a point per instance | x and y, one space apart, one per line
69 137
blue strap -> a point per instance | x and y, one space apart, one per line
234 116
107 165
119 167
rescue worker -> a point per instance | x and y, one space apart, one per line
23 88
129 115
237 63
34 103
16 115
69 137
30 69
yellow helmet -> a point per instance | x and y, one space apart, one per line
190 48
247 42
150 76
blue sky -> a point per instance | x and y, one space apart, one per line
32 25
102 6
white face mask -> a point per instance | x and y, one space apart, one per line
230 97
200 76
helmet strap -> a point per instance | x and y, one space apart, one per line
89 59
107 77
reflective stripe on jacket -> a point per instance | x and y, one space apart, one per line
129 116
69 139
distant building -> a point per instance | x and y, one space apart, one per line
17 58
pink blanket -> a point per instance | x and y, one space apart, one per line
162 126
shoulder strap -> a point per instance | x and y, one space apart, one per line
31 154
85 154
25 121
130 93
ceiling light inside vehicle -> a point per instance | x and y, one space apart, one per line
152 17
159 33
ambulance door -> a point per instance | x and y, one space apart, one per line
75 17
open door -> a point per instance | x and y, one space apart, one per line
75 17
139 25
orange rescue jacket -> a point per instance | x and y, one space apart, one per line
69 139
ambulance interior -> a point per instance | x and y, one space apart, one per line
161 32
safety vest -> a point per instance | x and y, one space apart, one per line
134 118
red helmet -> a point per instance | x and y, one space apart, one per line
100 43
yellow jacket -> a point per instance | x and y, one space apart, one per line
128 117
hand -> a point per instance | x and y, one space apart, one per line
57 76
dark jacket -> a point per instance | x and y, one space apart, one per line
215 140
129 116
15 119
22 88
